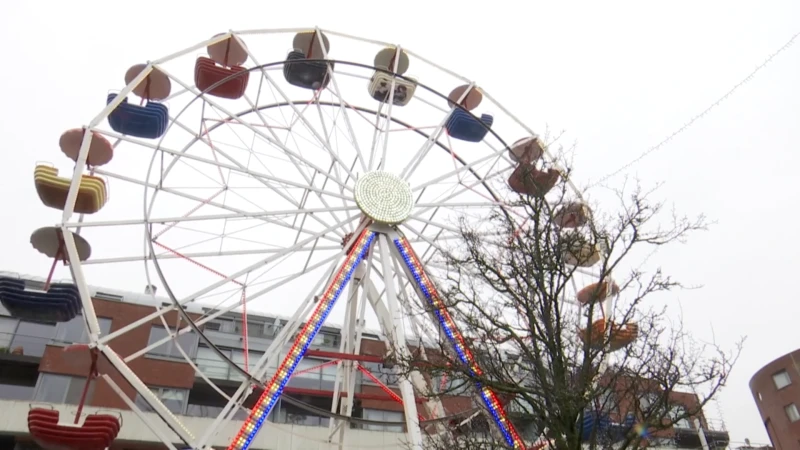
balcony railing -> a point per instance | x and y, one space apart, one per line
309 375
23 345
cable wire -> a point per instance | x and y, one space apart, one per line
702 114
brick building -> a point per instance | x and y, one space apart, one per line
776 391
36 369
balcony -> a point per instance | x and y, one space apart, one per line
310 374
294 434
688 436
24 341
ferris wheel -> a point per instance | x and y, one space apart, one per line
303 171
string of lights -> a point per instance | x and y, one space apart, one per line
702 114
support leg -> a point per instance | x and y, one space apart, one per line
406 389
274 388
430 295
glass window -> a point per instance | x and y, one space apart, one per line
329 376
33 337
173 399
287 413
648 401
206 402
16 392
187 341
326 340
450 386
307 374
792 413
212 412
683 422
781 379
8 326
238 358
254 329
75 332
384 416
386 375
211 364
302 369
53 388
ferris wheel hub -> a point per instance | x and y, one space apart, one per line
384 197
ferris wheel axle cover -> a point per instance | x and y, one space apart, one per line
384 197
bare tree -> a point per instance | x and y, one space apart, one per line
562 349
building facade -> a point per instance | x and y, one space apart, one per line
40 366
776 392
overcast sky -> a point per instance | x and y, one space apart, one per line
618 77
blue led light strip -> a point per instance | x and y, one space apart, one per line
273 389
429 291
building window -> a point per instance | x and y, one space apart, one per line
387 375
53 388
215 368
211 364
308 374
169 349
237 356
792 413
678 414
447 385
383 416
75 332
33 337
781 379
173 399
326 340
16 391
7 328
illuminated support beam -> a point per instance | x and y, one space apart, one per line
274 388
428 291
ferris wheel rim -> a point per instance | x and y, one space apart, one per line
173 120
201 96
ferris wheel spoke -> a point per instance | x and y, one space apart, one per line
310 182
460 170
334 167
388 120
265 216
212 314
178 154
442 200
237 119
332 170
335 83
262 262
303 119
434 137
201 255
206 139
376 134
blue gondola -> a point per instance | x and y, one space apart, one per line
594 422
600 425
61 303
305 74
464 126
149 121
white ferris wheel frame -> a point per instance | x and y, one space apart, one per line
362 290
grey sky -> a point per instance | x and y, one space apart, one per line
618 77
